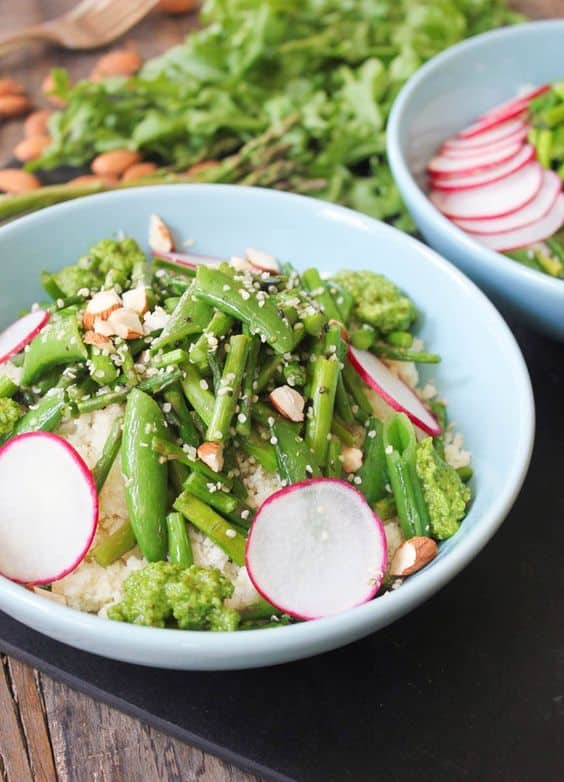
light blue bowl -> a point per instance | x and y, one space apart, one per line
483 377
444 96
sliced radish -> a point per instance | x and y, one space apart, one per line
462 166
393 390
530 234
519 137
530 213
496 135
526 98
494 200
20 333
492 174
189 260
518 110
316 548
48 508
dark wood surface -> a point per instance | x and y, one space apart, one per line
48 732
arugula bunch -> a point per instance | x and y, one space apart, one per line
338 64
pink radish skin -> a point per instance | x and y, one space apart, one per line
530 234
20 333
493 174
48 508
530 213
443 166
501 134
519 110
316 548
393 390
189 260
516 138
494 200
526 98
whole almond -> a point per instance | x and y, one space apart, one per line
14 180
177 6
203 165
114 163
138 170
93 179
36 123
121 62
14 105
11 87
31 148
412 555
47 87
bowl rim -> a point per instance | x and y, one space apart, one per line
405 178
300 640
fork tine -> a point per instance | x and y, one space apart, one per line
81 9
118 17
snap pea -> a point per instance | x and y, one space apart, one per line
102 369
221 291
363 338
109 453
296 460
59 342
179 546
214 526
229 389
318 425
46 415
7 387
373 471
400 339
190 316
144 474
115 545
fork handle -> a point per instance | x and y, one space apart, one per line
32 34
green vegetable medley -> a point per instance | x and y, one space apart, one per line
213 364
318 77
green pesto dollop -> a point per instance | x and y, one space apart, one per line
377 300
445 494
110 262
10 414
166 594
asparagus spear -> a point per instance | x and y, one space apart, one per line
229 389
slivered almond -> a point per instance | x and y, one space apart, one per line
412 555
136 299
351 459
115 162
241 264
160 237
98 340
99 307
212 455
262 260
56 598
126 323
289 402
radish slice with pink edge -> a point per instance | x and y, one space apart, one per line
493 174
189 260
443 166
502 133
518 110
48 508
508 105
393 390
530 234
494 200
530 213
316 548
20 333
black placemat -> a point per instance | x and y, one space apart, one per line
467 688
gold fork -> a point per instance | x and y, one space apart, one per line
91 24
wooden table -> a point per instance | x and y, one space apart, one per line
49 732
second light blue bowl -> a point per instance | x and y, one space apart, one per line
444 96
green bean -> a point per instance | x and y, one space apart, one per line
172 266
261 450
439 410
221 291
319 291
46 415
339 429
243 425
524 257
179 546
363 338
170 452
219 326
50 286
115 545
229 389
334 466
109 453
267 371
400 339
152 385
175 398
400 450
356 388
215 367
382 350
7 387
159 382
59 342
145 476
213 526
296 461
177 474
191 316
227 504
318 426
373 471
262 609
343 404
343 299
196 392
172 358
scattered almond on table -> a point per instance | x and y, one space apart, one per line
14 105
31 148
37 123
114 163
11 87
47 87
178 6
14 180
138 170
120 62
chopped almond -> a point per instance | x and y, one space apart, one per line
351 459
241 264
126 323
212 455
98 340
136 299
100 306
289 402
262 260
103 328
412 556
50 595
160 237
